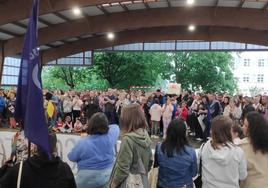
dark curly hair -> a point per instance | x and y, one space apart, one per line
258 131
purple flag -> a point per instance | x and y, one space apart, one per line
29 102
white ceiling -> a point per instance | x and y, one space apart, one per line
136 6
92 11
70 15
52 18
4 36
160 4
26 21
86 36
44 47
71 39
112 9
57 43
13 28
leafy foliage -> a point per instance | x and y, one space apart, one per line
212 71
71 78
122 70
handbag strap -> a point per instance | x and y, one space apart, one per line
19 174
200 160
156 154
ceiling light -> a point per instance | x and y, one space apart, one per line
190 2
76 11
191 28
110 36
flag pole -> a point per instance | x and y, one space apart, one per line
29 148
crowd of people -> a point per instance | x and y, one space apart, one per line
233 129
69 111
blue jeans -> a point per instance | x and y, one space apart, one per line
93 178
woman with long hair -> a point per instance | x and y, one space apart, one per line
227 106
223 163
175 158
255 146
204 118
135 144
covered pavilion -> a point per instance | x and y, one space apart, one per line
68 27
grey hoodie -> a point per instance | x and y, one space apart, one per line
224 167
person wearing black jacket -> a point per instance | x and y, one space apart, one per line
91 105
40 172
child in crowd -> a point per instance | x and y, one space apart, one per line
237 134
68 125
83 119
156 113
78 126
59 125
182 111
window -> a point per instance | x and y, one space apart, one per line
246 79
261 63
246 62
260 78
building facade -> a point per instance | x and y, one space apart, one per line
251 72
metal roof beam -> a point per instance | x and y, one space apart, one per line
20 25
124 7
169 4
103 9
159 34
45 22
265 6
226 17
146 4
22 8
61 16
242 2
217 3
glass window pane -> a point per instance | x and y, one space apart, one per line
193 45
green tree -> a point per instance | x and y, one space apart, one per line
71 78
212 71
122 70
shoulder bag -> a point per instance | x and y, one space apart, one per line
198 180
138 177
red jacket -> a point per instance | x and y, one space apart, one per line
183 114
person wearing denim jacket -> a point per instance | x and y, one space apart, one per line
176 160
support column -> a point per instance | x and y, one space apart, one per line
92 57
2 59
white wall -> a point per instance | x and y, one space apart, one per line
252 71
